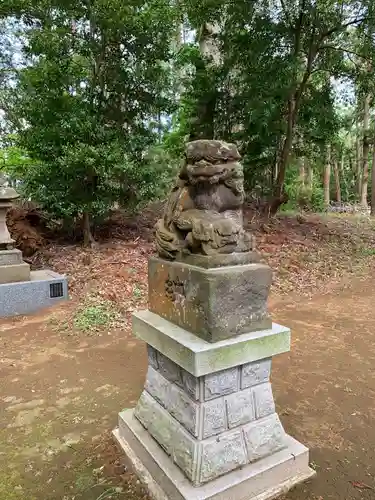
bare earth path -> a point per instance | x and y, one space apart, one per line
59 395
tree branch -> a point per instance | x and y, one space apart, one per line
358 66
343 49
340 27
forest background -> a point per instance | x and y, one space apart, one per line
98 99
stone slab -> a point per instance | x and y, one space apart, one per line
200 357
169 369
264 480
10 257
214 304
27 297
264 437
14 273
210 442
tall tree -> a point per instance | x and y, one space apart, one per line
97 75
365 148
358 161
336 171
274 56
373 180
327 176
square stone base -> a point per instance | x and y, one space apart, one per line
44 289
10 257
266 479
216 303
14 273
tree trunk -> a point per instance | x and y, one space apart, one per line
88 238
294 100
373 181
337 180
285 153
310 176
365 149
302 173
327 176
203 120
302 200
342 173
358 164
275 168
293 108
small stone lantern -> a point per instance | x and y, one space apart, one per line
23 291
7 196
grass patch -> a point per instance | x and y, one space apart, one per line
138 293
94 315
84 482
111 493
367 251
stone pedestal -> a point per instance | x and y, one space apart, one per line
205 426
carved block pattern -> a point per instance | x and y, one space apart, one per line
173 399
263 437
161 426
214 419
213 424
264 403
240 408
255 373
221 383
222 455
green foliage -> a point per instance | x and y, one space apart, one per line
110 493
108 92
301 195
368 252
317 197
97 75
93 315
274 82
15 162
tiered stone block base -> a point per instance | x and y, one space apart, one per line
12 267
205 425
43 289
264 480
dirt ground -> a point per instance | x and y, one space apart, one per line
60 391
60 397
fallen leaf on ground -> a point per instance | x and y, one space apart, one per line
361 486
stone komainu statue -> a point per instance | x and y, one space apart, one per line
203 214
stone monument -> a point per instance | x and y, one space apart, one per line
205 426
22 291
